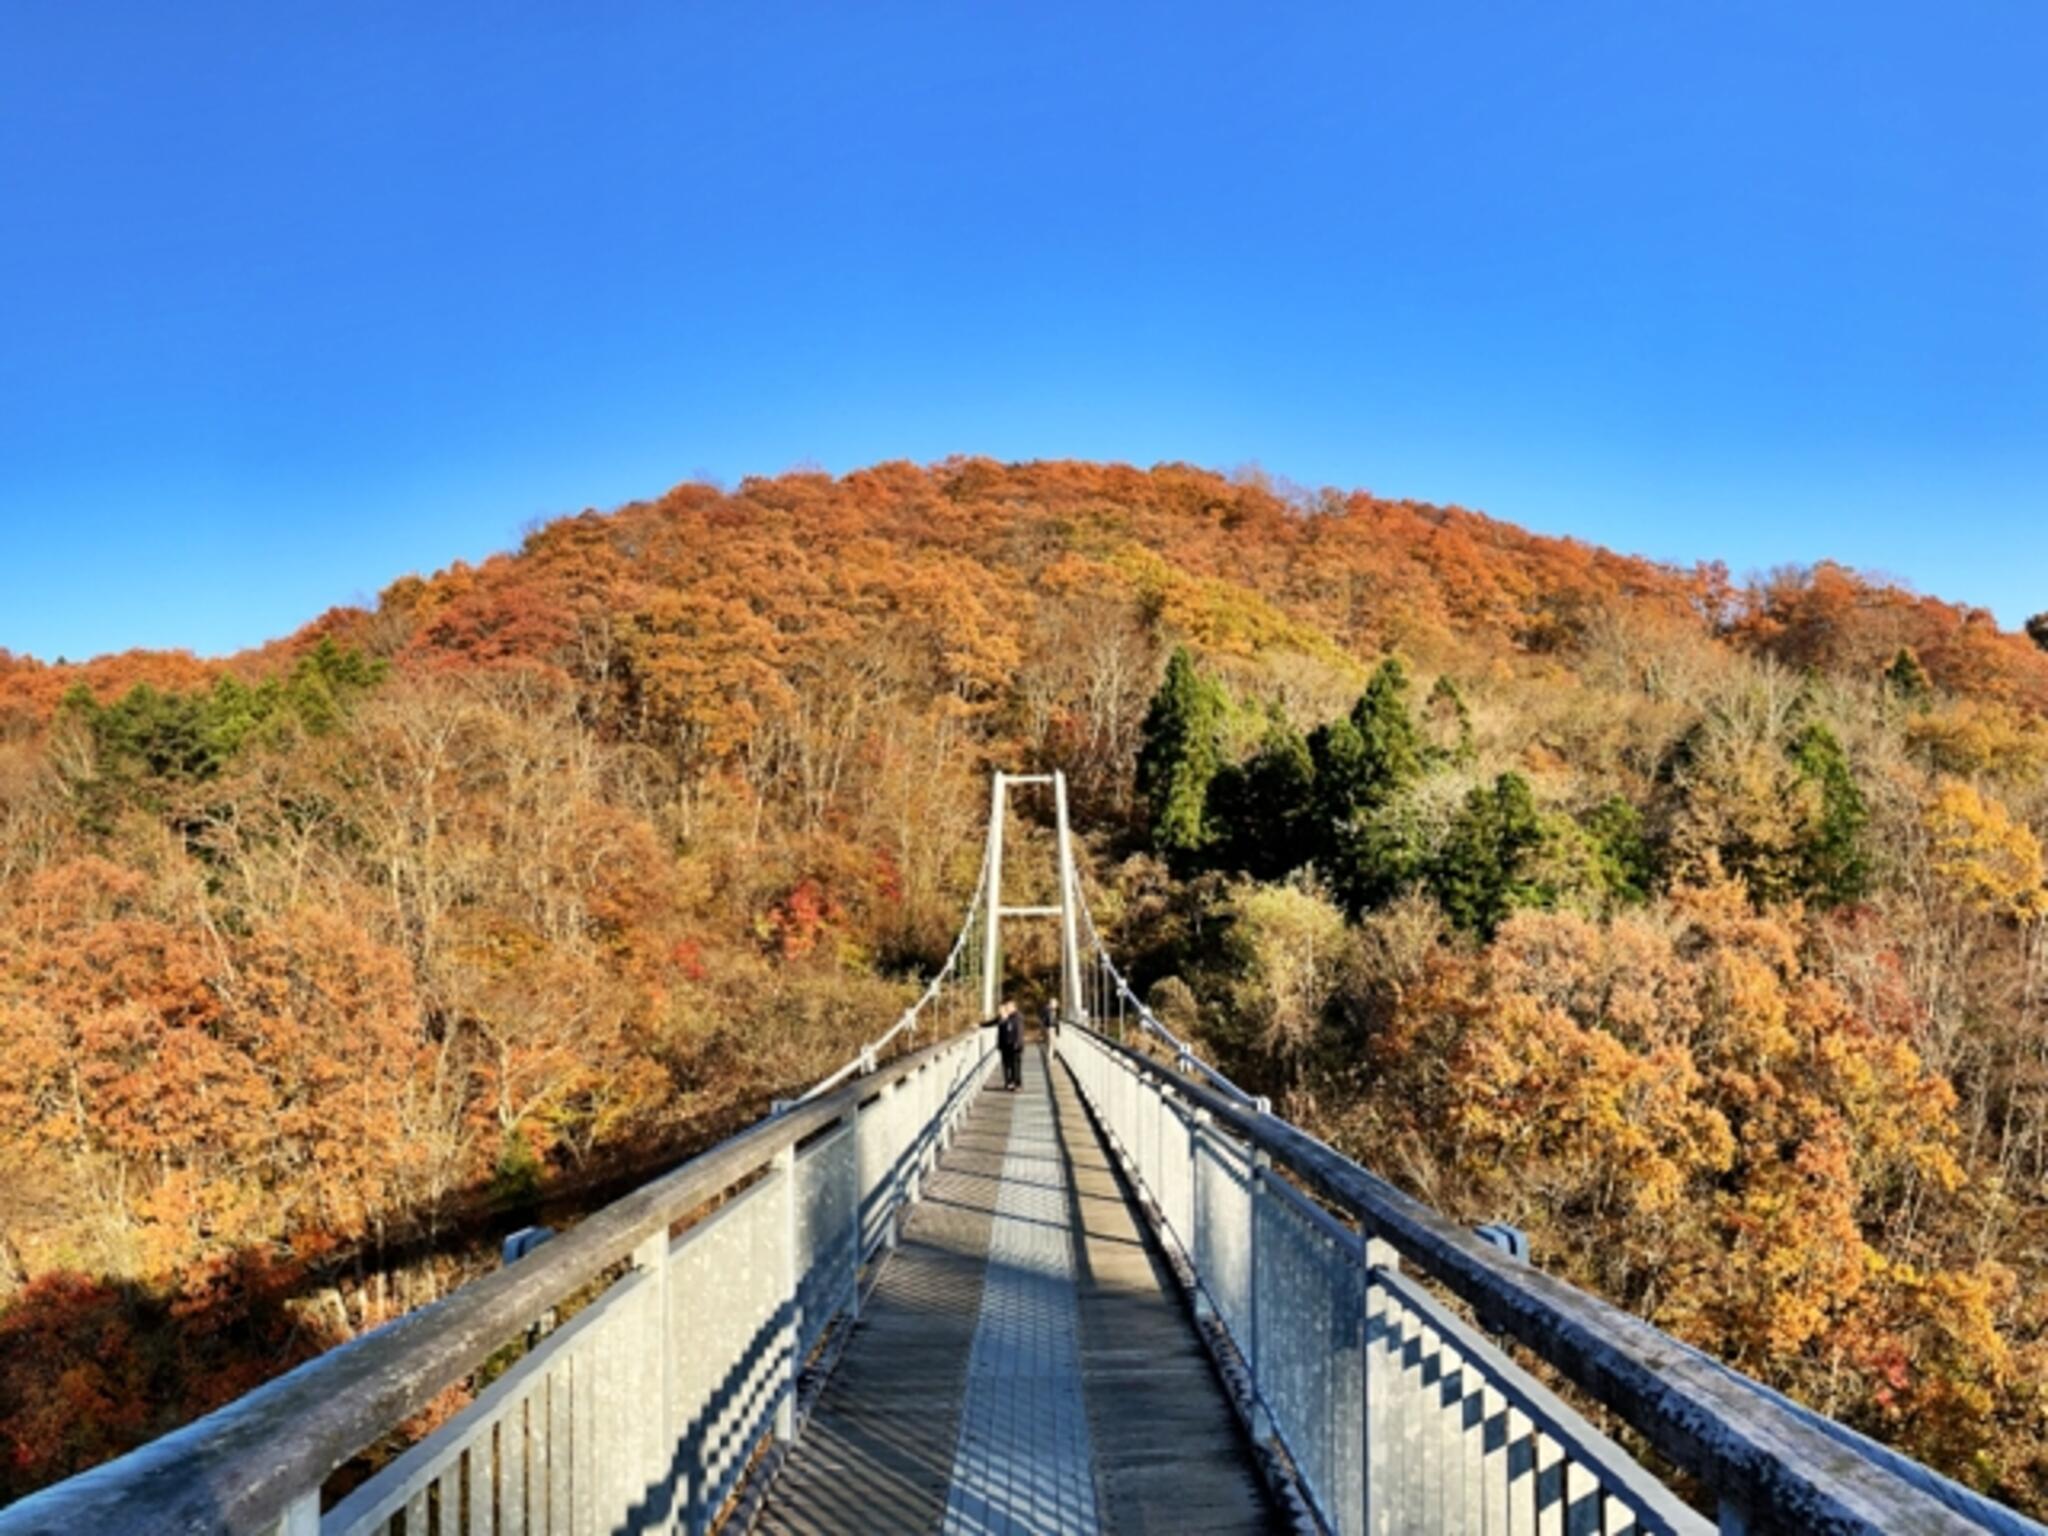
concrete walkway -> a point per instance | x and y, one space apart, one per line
1024 1367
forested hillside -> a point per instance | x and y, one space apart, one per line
1696 926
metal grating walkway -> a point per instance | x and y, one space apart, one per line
1023 1460
1007 1376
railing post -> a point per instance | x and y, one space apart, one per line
1262 1163
660 1433
853 1164
302 1519
920 1138
1378 1376
1374 1460
1164 1124
890 1106
792 1330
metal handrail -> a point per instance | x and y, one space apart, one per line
249 1464
1772 1468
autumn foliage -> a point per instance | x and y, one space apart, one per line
1695 926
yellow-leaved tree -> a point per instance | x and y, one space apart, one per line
1991 861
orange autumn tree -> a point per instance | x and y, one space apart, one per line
208 1091
201 1113
1692 1122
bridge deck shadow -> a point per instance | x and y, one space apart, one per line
878 1453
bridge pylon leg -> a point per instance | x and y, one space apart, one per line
1073 999
992 945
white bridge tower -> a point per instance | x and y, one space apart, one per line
1073 996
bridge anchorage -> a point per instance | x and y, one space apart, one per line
1130 1298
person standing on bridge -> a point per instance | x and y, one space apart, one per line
1049 1016
1009 1027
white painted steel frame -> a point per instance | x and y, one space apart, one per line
1073 1004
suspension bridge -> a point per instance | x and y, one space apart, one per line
1124 1298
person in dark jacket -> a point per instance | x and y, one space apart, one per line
1009 1027
1049 1016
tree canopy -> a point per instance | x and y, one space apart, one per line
1695 925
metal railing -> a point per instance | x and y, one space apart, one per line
642 1412
1397 1415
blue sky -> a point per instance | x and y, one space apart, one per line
296 299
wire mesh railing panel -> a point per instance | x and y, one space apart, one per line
877 1143
1177 1171
729 1318
506 1464
1309 1315
1222 1254
1151 1127
827 1245
1462 1438
1394 1414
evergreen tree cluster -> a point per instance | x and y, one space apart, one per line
1348 800
149 739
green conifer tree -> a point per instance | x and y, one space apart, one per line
1394 749
1482 872
1367 834
1261 811
1624 862
1374 754
326 682
1381 854
1180 752
1833 868
147 742
1342 779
